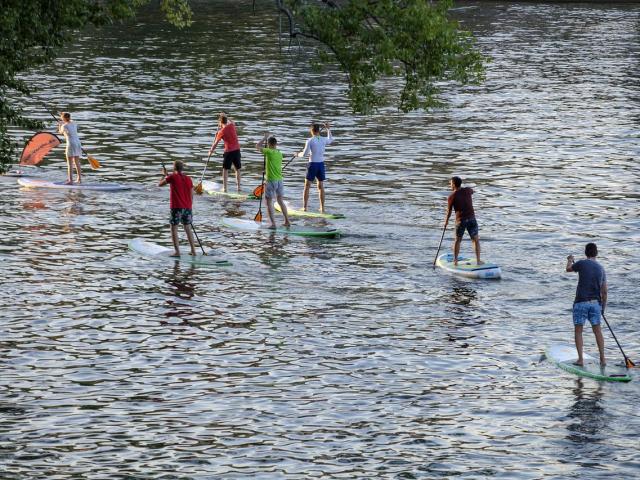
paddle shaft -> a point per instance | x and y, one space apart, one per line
197 238
258 216
627 361
208 158
444 229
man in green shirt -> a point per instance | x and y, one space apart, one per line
274 187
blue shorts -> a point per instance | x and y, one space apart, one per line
470 225
181 215
315 170
583 311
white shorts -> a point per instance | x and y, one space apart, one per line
73 150
275 188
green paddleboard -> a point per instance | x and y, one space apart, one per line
295 212
299 230
213 188
564 356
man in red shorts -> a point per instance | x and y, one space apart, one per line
181 204
231 156
460 201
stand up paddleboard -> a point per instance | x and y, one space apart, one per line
295 212
564 356
153 250
101 187
467 267
213 188
302 231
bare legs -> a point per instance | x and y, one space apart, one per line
597 331
271 212
225 178
174 239
305 194
476 246
76 163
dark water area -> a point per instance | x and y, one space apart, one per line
346 358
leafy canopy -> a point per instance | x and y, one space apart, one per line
371 40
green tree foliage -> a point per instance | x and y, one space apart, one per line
376 39
31 31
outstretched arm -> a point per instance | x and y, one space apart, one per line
570 262
305 151
260 145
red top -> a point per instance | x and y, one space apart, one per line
462 204
181 186
229 137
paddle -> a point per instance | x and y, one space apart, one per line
627 361
93 163
258 217
259 190
197 238
164 169
440 244
198 188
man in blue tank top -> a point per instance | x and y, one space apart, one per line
591 298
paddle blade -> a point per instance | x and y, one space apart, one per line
198 189
258 191
93 163
258 217
629 363
37 147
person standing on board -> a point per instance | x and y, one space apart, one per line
460 201
73 150
274 188
315 148
591 298
231 156
180 203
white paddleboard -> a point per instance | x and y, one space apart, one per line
468 267
564 356
102 187
150 249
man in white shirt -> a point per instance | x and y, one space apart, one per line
315 147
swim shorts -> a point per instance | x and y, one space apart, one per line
589 310
181 216
315 170
229 158
470 225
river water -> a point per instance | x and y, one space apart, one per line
347 358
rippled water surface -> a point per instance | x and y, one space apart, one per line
347 358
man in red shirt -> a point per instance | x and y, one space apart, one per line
181 204
460 201
231 156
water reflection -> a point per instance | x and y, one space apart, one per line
182 289
587 416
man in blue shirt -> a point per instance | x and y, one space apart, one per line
591 298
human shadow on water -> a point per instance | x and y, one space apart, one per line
586 416
181 291
273 253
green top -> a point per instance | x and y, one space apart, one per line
273 167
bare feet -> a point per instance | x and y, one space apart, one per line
455 262
578 363
479 262
304 208
322 210
68 182
287 224
192 253
175 254
271 226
